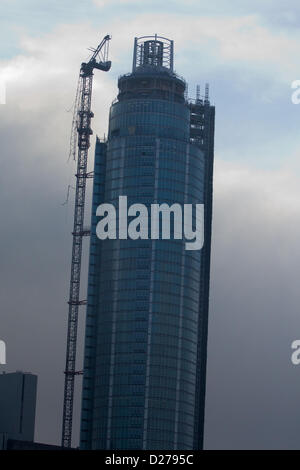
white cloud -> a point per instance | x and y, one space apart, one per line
241 43
243 40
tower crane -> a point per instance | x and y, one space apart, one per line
80 138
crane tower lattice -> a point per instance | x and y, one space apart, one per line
80 135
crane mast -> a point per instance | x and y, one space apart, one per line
81 132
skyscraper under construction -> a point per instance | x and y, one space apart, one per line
147 312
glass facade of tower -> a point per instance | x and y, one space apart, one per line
146 326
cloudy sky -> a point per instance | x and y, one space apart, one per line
249 53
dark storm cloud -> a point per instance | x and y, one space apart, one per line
253 388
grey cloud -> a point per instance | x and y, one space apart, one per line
252 390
